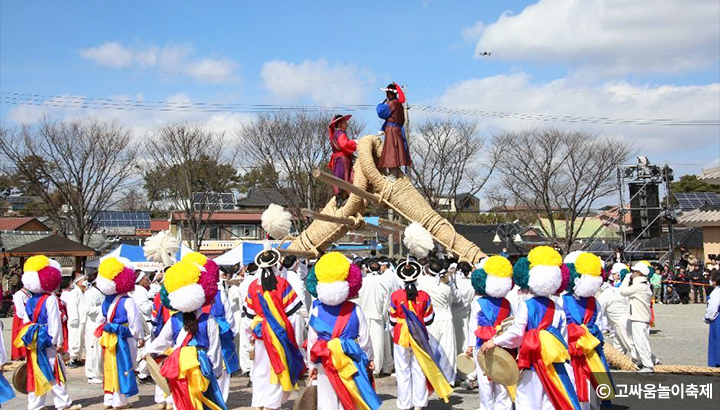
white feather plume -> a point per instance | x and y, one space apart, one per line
161 248
276 221
418 240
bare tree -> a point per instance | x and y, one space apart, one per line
185 160
449 156
559 175
133 200
288 146
78 168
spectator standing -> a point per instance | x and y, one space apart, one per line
683 286
656 282
697 279
637 289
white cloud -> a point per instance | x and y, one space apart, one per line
515 93
471 34
611 36
170 59
317 81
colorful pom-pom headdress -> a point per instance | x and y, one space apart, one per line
494 278
540 271
337 279
116 275
587 274
190 284
41 274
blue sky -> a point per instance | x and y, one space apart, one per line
603 58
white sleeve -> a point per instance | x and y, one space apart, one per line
136 324
214 351
3 353
514 335
163 341
228 312
364 334
143 303
20 305
601 320
562 325
713 304
312 338
472 321
72 305
92 309
54 322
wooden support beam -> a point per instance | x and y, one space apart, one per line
332 180
391 225
328 218
297 252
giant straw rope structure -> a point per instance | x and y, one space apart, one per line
369 185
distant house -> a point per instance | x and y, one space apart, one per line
257 200
22 224
225 229
465 202
483 236
12 205
706 218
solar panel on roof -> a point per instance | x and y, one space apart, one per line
122 219
694 200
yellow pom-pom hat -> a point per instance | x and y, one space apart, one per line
588 277
545 276
494 277
338 279
41 274
190 284
115 275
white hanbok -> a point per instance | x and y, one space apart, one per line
93 300
461 310
76 321
246 343
442 296
374 298
616 310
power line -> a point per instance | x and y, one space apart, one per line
53 65
64 101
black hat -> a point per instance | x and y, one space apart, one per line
408 271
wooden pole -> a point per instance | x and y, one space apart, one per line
332 180
391 225
328 218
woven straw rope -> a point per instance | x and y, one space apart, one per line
399 195
619 361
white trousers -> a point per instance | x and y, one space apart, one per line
493 396
531 393
224 384
298 323
460 319
388 362
93 356
411 383
115 399
327 398
245 344
443 331
160 397
376 328
75 338
641 341
623 339
61 398
265 394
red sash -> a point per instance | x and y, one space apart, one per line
531 356
581 367
321 351
488 332
178 388
30 383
